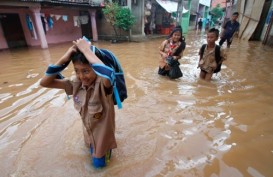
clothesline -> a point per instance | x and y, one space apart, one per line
48 21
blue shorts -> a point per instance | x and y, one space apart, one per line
103 161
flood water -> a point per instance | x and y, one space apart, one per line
173 128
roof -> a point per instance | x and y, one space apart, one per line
170 6
89 3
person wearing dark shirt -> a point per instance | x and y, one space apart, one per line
200 23
229 29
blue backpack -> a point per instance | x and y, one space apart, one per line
113 71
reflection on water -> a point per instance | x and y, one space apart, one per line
184 127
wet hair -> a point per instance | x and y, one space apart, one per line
79 57
182 40
215 31
236 13
175 29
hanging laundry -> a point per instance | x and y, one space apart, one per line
65 18
29 23
76 20
44 24
44 21
84 19
57 17
50 22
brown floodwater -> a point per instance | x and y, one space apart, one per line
174 128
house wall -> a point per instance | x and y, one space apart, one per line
195 14
266 26
186 17
215 2
138 12
20 12
105 30
3 43
62 31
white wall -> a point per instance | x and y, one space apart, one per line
205 2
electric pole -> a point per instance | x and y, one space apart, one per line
179 12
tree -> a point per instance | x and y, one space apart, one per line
124 19
119 17
216 13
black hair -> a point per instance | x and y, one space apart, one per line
182 40
236 13
79 57
175 29
215 31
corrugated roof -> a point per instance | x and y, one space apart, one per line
92 3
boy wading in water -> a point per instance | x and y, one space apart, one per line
230 28
208 62
92 96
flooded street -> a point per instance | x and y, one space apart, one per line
173 128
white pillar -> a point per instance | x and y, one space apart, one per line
39 26
92 13
3 41
130 7
129 4
142 5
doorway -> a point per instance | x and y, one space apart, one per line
85 24
13 31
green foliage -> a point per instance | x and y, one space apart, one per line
125 19
109 12
118 17
216 12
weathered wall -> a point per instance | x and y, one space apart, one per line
266 26
62 31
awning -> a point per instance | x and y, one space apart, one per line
170 6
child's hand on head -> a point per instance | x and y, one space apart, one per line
72 49
82 44
68 53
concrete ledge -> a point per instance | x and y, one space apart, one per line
110 37
141 38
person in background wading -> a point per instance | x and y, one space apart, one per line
230 28
173 46
200 23
92 96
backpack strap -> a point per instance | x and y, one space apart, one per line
217 54
103 70
107 72
202 50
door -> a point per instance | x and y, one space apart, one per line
85 24
13 31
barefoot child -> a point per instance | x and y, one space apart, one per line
211 56
92 96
